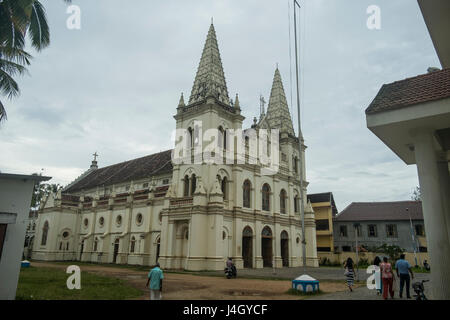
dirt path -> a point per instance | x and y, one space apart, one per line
186 286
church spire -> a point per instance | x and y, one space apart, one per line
210 78
278 115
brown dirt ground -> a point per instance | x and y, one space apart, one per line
193 287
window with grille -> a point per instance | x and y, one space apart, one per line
343 231
420 231
391 231
372 230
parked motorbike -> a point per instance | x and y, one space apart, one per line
419 290
230 272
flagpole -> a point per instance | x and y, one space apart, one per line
300 138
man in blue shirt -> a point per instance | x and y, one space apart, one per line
155 277
403 269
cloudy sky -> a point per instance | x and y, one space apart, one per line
113 86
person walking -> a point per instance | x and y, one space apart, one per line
378 280
388 278
155 278
349 273
403 269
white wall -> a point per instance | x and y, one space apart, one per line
15 197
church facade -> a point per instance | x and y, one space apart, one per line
195 214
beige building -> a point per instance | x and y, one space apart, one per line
190 216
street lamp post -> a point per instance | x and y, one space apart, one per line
412 236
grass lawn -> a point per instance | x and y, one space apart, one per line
50 284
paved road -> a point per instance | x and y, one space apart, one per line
325 273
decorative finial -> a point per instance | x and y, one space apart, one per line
277 65
236 102
212 20
94 162
181 103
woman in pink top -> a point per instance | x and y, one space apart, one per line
388 278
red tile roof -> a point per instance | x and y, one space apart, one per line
370 211
135 169
420 89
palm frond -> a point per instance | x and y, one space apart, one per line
17 55
13 23
3 116
11 67
8 86
39 30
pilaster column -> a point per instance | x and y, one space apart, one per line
444 182
434 214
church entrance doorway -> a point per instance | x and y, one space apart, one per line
285 248
116 250
247 247
266 246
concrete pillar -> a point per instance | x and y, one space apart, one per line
434 215
444 182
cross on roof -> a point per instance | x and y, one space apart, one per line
95 156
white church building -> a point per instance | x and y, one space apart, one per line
190 216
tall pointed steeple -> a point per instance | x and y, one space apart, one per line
278 115
210 78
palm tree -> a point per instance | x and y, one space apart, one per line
17 19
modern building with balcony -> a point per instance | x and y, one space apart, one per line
324 212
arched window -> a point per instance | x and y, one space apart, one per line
67 246
133 244
44 234
296 203
295 164
266 232
221 137
190 137
266 197
225 139
224 188
186 186
193 183
283 197
246 194
95 244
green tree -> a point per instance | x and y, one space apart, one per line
19 18
416 195
392 251
41 190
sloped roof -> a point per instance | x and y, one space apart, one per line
371 211
135 169
323 197
420 89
